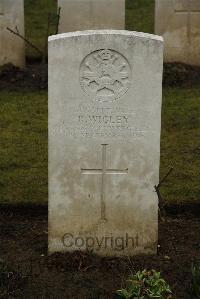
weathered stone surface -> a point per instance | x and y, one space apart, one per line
12 48
91 14
104 141
178 21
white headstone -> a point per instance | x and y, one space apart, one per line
104 141
178 21
91 14
12 48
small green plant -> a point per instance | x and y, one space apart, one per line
196 278
145 285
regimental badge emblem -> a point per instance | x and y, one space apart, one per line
105 75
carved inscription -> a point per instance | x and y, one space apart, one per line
103 119
94 122
105 75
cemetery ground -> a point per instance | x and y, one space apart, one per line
26 271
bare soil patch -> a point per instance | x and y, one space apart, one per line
35 76
32 77
26 271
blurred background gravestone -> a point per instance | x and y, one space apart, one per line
178 21
78 15
12 48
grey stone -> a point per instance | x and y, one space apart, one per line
12 48
104 141
178 21
91 14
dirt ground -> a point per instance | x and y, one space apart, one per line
26 271
35 76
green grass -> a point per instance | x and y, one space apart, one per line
23 123
179 144
139 17
36 23
23 151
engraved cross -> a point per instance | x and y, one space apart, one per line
103 172
187 7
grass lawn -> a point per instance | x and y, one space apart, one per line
36 23
23 123
140 15
23 151
179 144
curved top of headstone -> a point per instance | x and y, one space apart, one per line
106 32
